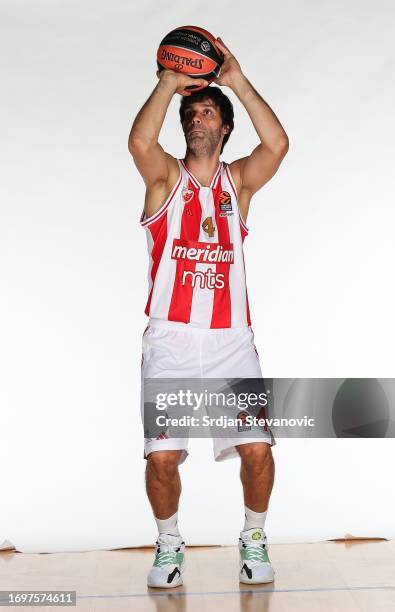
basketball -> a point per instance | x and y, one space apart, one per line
192 51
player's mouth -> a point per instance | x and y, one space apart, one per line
195 132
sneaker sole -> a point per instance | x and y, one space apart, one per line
173 585
246 580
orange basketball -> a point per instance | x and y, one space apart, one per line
190 50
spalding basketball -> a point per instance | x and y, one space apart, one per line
192 51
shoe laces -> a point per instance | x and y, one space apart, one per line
166 552
255 552
166 557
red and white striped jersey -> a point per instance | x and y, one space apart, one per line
195 244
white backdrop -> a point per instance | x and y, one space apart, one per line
74 267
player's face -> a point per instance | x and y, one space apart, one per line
203 127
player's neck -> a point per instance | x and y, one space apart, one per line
203 168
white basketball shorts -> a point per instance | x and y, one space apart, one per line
177 350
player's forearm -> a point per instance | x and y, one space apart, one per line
148 122
266 124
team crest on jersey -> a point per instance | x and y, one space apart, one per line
187 195
225 202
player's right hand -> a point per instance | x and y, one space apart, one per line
181 81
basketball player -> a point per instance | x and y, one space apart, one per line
199 322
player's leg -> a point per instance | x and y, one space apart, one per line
232 354
162 350
257 477
165 347
163 489
164 485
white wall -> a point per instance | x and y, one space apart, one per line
73 262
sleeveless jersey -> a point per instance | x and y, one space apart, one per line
195 245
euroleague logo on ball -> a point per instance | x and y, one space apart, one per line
205 46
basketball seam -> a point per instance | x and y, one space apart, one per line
191 50
197 75
205 33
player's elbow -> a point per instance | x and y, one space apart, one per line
136 145
282 146
140 143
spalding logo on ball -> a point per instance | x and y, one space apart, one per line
192 51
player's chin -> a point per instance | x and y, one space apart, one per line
195 141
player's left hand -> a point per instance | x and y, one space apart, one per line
230 69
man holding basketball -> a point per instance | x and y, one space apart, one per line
195 216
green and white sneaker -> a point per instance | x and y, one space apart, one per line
255 566
169 563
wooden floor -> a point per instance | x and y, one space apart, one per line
321 577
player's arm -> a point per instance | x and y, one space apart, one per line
158 169
252 172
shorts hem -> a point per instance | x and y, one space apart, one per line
169 446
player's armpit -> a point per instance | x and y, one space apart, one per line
152 162
157 192
258 168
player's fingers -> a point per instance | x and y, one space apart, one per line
222 46
195 83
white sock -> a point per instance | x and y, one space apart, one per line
168 525
254 519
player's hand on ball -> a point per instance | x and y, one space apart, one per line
230 69
181 81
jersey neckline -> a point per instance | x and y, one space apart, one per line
194 179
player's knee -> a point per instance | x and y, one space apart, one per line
164 464
256 456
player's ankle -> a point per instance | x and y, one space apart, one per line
168 525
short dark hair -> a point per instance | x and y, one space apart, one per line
215 95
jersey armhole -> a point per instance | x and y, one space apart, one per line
232 184
144 220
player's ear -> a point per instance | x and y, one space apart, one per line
226 129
